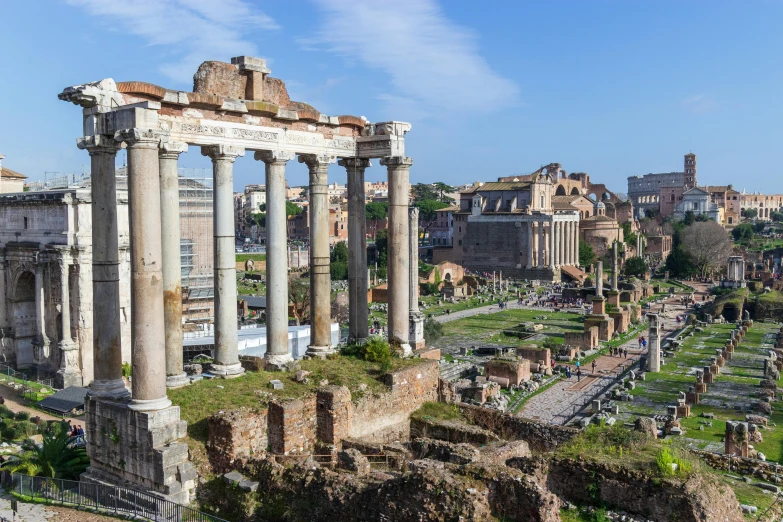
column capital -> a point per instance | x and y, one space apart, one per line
98 144
413 213
142 138
354 163
270 157
222 152
396 161
172 149
314 161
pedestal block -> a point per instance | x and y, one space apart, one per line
709 378
700 387
604 323
692 397
417 330
138 449
613 297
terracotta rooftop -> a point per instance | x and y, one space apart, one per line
499 185
7 173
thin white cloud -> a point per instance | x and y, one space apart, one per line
432 62
701 103
190 30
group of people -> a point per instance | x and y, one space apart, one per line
642 342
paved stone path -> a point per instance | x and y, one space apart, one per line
41 513
558 403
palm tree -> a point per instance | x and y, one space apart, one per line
56 457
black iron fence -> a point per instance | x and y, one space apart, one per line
107 499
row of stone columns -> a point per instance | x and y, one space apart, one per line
156 327
555 245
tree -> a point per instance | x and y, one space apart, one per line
707 244
258 219
442 189
376 210
628 235
428 207
689 218
750 213
776 216
339 253
382 246
586 254
292 209
678 263
433 330
56 457
423 191
635 266
742 232
299 296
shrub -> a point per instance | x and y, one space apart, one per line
433 330
670 464
127 369
377 350
22 416
23 429
5 413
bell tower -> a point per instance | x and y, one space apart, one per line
690 171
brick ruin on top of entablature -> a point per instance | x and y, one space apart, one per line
241 92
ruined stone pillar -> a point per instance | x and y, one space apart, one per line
639 244
69 373
576 243
599 279
226 353
358 325
562 243
416 318
41 341
529 258
614 266
653 344
552 245
172 265
541 244
107 345
399 250
3 306
148 356
277 355
320 276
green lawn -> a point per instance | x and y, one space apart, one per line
241 258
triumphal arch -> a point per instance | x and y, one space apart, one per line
234 109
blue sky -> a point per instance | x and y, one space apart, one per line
612 88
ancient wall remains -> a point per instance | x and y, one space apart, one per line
234 435
586 340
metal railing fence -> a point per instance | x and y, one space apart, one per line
108 499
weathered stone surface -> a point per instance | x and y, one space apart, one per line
647 426
352 460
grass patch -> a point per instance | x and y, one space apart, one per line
241 258
438 411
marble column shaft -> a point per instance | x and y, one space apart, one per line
277 355
552 247
399 248
226 352
541 245
358 279
40 304
599 279
529 259
3 301
107 344
413 235
65 301
576 243
148 355
320 276
653 344
614 265
172 264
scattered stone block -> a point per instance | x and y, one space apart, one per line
233 478
301 376
276 384
647 426
353 460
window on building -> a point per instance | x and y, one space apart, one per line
25 222
460 242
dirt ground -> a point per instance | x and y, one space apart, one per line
15 403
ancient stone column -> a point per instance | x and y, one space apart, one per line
614 266
561 243
3 309
69 373
540 244
358 280
398 168
552 244
320 277
148 357
41 339
107 346
576 243
172 265
529 259
416 317
639 244
653 344
599 279
226 353
277 355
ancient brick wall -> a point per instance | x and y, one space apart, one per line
535 354
386 417
334 414
515 371
586 340
621 320
292 426
235 435
540 437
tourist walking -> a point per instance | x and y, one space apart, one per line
593 366
578 374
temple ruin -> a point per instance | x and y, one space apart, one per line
234 108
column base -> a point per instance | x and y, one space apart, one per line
114 389
416 321
149 404
177 381
405 350
69 373
277 362
319 351
226 371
